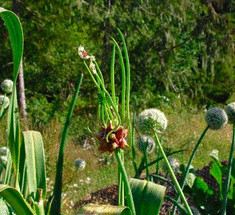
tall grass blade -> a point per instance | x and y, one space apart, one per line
56 203
16 200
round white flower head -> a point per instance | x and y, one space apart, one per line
3 160
7 86
80 163
151 119
4 151
174 164
4 101
146 142
92 58
216 118
230 110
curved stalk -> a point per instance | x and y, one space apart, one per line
189 164
173 175
228 175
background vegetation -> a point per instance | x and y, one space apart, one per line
181 57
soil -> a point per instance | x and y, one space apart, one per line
109 195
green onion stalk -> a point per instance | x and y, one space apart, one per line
182 184
228 175
173 175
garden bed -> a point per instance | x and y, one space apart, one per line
109 195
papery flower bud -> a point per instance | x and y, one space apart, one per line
216 118
92 67
80 163
175 165
230 110
83 53
146 142
4 101
151 119
7 86
4 151
92 58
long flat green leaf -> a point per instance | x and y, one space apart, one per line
16 200
35 161
148 196
16 37
104 209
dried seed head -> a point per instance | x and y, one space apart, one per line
175 165
80 163
146 142
216 118
7 86
230 110
151 119
4 101
4 151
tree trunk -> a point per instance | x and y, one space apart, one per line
21 89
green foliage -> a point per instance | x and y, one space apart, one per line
207 199
178 47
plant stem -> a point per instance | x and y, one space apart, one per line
228 175
56 204
189 164
128 193
173 175
112 74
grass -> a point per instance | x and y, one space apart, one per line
184 129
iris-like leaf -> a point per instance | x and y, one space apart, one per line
35 161
16 200
148 196
104 209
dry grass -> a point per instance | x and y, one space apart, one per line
184 129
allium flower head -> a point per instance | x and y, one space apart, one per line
151 119
3 160
7 86
116 139
4 101
83 53
175 165
216 118
230 110
80 163
4 151
146 142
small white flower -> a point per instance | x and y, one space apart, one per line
80 163
92 58
175 165
4 151
92 67
146 142
75 185
151 119
230 110
88 180
4 101
216 118
81 49
7 86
